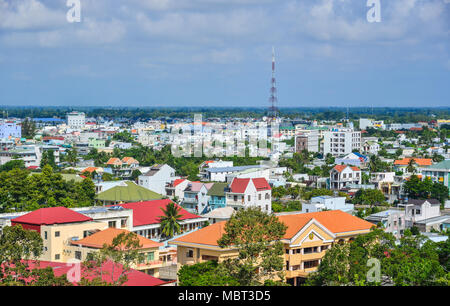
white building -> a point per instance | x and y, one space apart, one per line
342 175
244 193
326 202
342 141
157 178
76 120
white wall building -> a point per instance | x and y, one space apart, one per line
157 178
339 142
76 120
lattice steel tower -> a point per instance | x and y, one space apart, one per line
273 100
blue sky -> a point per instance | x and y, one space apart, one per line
218 53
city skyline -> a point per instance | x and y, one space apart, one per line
218 53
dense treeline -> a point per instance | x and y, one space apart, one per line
389 115
21 190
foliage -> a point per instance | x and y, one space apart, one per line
28 128
209 273
22 191
257 236
170 220
369 197
13 164
425 189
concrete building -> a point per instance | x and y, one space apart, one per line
439 172
342 175
327 203
76 120
10 130
157 178
307 140
341 141
244 193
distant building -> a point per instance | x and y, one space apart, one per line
341 176
327 203
439 172
76 120
307 140
157 178
10 129
341 141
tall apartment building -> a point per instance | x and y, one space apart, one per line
307 140
76 120
341 141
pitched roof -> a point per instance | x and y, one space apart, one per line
114 161
218 189
51 215
178 182
421 201
129 193
98 239
335 221
341 168
145 213
443 165
261 184
134 277
418 161
239 185
129 160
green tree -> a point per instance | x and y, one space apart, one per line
369 197
170 220
209 273
28 128
257 237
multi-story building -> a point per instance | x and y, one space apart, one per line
418 164
425 214
10 129
176 188
246 192
342 175
76 120
307 238
388 183
157 178
341 141
439 172
195 197
307 140
327 203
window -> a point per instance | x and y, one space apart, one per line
123 223
310 264
190 254
259 197
78 255
267 196
45 235
249 198
112 224
57 234
150 256
287 251
57 256
235 198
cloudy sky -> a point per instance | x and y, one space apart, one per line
218 53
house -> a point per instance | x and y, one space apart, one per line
307 238
127 192
123 167
81 248
327 203
248 192
146 218
176 188
342 175
371 147
424 214
157 178
439 172
392 220
195 198
353 159
217 198
219 214
418 164
388 183
57 225
219 174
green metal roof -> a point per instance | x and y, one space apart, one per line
217 189
443 165
127 194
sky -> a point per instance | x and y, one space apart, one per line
217 53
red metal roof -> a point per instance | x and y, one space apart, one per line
134 277
149 212
261 184
177 182
239 185
51 215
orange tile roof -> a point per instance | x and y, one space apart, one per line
98 239
335 221
341 168
419 161
114 161
89 169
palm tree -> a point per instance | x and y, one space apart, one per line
170 221
410 168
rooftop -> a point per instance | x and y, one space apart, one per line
51 215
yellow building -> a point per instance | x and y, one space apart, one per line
80 249
307 238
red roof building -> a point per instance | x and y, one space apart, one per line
49 216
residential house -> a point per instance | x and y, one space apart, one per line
388 183
424 214
439 172
176 188
392 220
217 198
249 192
157 178
321 203
342 175
418 164
195 198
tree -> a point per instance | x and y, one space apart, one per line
12 164
48 158
426 189
125 250
170 221
411 166
72 156
28 128
369 197
257 237
209 273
